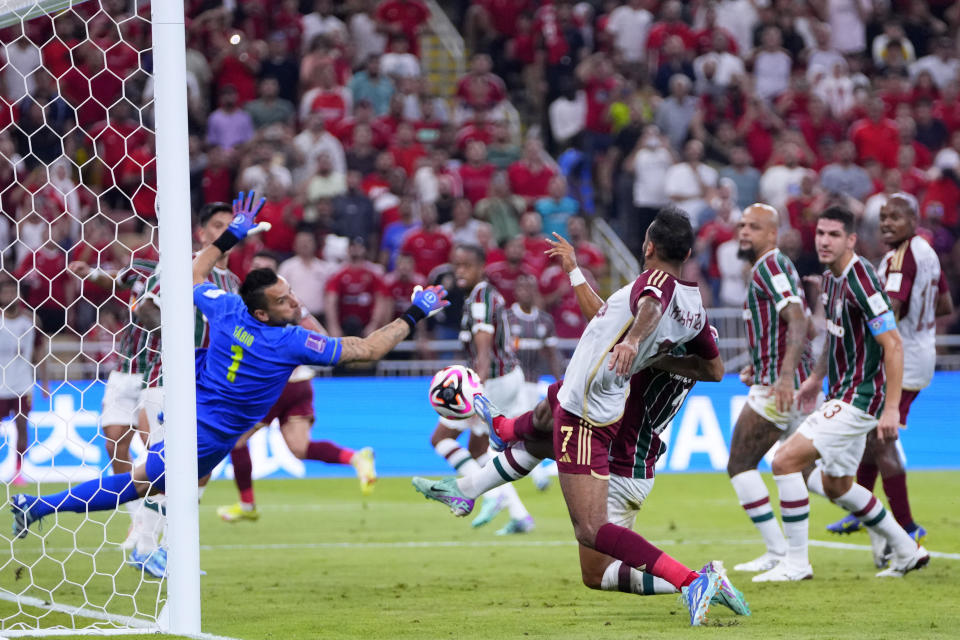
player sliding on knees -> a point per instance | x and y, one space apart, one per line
863 361
662 314
255 344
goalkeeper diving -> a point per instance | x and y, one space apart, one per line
255 343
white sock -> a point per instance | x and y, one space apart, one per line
200 491
456 456
795 513
619 577
865 506
149 523
515 506
509 465
132 508
755 500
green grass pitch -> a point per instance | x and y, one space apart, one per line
324 563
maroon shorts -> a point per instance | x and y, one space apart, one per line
582 448
906 399
14 407
295 401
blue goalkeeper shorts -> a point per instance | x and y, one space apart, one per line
211 449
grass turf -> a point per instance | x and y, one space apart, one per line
322 562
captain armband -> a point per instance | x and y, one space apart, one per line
882 323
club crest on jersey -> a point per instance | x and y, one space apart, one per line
316 342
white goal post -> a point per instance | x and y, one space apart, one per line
43 588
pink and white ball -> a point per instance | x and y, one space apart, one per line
452 390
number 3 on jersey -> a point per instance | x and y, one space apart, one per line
237 351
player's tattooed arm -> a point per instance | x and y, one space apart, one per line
648 316
889 420
588 299
797 328
376 345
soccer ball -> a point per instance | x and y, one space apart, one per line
452 390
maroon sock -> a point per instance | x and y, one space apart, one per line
243 473
633 550
326 451
623 579
896 490
867 475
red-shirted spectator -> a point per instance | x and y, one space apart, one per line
235 65
363 114
138 176
356 298
216 182
476 173
394 116
531 225
818 124
947 108
561 301
96 249
876 136
503 273
56 51
327 99
912 180
49 285
804 208
480 88
713 234
600 85
941 204
429 245
704 38
498 17
405 17
400 282
530 175
588 254
479 129
670 24
406 151
114 138
284 214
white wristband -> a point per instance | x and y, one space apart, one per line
576 277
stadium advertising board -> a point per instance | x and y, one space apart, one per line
395 419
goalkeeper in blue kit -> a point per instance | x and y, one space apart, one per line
255 343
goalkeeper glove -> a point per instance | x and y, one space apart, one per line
426 302
243 225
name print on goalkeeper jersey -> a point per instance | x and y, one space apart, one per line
243 371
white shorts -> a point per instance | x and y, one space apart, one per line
121 398
839 433
504 393
763 402
151 401
625 496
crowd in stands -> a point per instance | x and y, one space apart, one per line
373 174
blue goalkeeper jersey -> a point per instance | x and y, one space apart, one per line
244 369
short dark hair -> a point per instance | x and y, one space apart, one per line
842 215
210 209
671 234
476 250
253 287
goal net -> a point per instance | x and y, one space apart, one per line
78 234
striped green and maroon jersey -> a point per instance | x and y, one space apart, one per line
855 359
224 279
774 284
655 398
485 310
135 341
